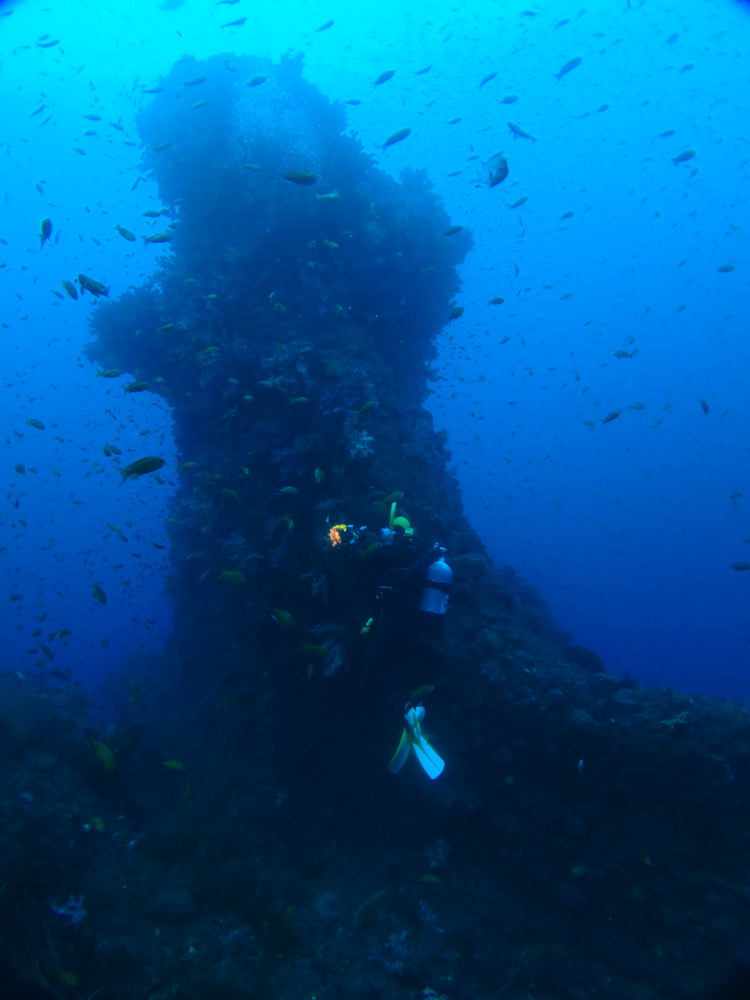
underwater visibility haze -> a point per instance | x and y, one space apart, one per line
375 535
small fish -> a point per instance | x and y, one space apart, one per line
103 754
237 23
683 157
456 313
509 99
300 177
311 649
287 491
385 77
158 238
174 765
232 575
69 287
325 27
255 81
319 474
452 230
496 170
421 692
667 132
36 423
99 594
486 79
135 387
736 495
519 201
637 406
365 408
282 617
188 466
571 64
125 233
141 467
109 373
392 497
45 233
497 301
741 567
725 268
90 285
421 72
520 133
398 136
704 405
194 81
625 354
613 415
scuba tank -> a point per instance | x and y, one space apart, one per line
438 579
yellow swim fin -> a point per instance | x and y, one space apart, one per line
413 739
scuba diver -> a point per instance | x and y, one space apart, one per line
412 586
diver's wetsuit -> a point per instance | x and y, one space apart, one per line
400 573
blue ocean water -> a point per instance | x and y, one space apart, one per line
244 750
626 242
